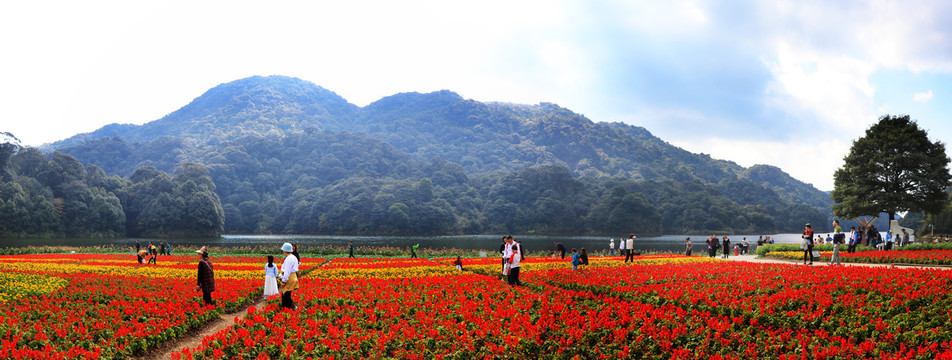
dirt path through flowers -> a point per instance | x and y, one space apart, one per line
194 338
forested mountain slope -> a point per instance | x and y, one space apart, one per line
275 145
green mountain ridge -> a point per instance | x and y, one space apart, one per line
484 140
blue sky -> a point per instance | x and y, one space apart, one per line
789 84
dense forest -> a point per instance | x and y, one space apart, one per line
286 156
347 183
56 196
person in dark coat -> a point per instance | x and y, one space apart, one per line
560 248
206 277
726 244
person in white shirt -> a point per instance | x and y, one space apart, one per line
289 280
515 257
630 245
611 246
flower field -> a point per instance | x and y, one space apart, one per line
659 307
83 306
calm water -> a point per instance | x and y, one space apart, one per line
487 242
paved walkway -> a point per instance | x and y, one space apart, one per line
754 258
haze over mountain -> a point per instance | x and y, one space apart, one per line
267 139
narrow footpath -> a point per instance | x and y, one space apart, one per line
194 338
755 259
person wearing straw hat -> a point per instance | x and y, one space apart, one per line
289 280
206 277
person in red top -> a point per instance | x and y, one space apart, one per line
807 244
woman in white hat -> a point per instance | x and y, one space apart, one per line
289 280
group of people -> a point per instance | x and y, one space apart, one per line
626 247
838 239
151 252
713 244
283 281
512 255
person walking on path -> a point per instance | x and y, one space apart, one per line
351 246
289 280
838 237
561 249
727 247
206 277
687 247
630 246
905 238
514 259
611 246
575 260
807 244
744 247
413 250
270 278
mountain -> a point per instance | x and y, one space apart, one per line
251 127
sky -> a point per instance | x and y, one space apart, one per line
784 83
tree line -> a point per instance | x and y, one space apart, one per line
343 183
56 196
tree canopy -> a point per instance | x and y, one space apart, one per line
893 168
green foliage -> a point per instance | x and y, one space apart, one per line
893 168
57 196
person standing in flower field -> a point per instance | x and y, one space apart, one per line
351 246
514 260
838 239
630 246
289 280
413 250
270 278
575 260
807 244
611 246
206 277
583 256
687 247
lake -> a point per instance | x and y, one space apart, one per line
488 242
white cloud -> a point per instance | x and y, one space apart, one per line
922 97
812 161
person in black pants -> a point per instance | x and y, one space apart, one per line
630 248
514 261
561 249
808 242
